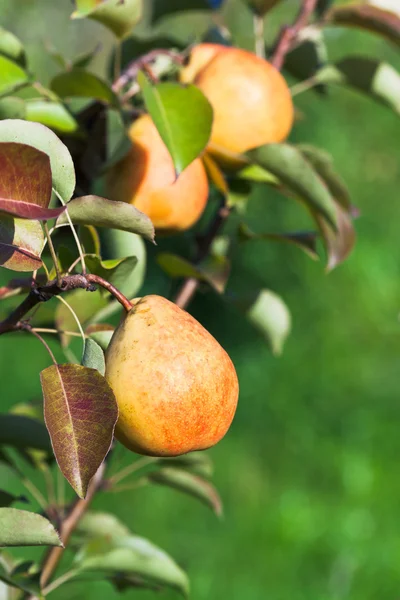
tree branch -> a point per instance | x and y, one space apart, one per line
133 68
289 34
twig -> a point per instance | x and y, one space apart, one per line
289 34
45 292
136 65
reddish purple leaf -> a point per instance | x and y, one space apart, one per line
368 17
21 244
80 412
26 210
25 174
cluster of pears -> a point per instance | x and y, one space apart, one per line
252 106
175 386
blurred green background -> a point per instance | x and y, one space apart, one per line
309 472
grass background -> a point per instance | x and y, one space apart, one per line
309 472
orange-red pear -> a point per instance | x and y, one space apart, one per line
146 178
175 386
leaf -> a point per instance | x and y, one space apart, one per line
100 212
11 47
214 270
176 266
25 174
90 239
162 9
12 107
23 528
21 244
119 17
305 240
80 413
189 484
12 76
376 79
42 138
288 164
24 581
199 463
101 333
215 174
123 243
93 356
309 55
133 555
323 164
82 84
24 210
51 114
116 271
23 432
261 7
6 499
340 243
365 16
183 117
258 174
95 524
270 315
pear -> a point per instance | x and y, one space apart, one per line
175 386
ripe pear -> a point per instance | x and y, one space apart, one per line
251 101
146 178
175 386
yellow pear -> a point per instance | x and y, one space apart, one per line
146 178
251 101
175 386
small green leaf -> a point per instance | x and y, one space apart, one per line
90 239
97 524
12 76
123 243
198 463
305 240
119 17
323 164
82 84
12 107
93 356
22 528
51 114
117 271
80 413
183 117
298 176
189 483
339 243
42 138
378 80
214 270
133 555
21 244
11 47
366 16
20 578
270 315
176 266
100 212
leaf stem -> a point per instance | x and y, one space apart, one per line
132 468
74 233
52 252
73 313
36 493
27 327
60 580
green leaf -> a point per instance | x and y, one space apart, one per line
100 212
298 176
183 117
339 243
308 56
199 463
119 17
366 16
97 524
23 432
116 271
42 138
93 357
6 499
21 579
12 76
23 528
85 305
214 270
11 47
133 555
378 80
82 84
101 333
12 107
305 240
163 8
51 114
21 244
261 7
270 315
123 243
176 266
323 164
90 239
80 413
191 484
